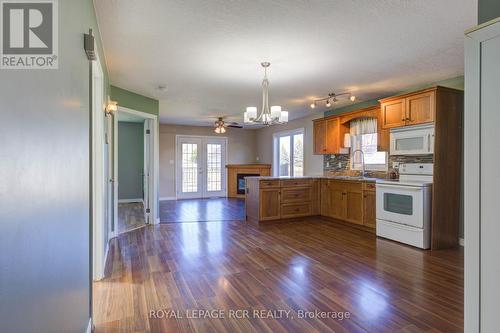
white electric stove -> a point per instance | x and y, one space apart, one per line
404 206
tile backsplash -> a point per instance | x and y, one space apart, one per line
340 164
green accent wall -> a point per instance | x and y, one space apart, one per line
135 101
130 160
456 83
488 10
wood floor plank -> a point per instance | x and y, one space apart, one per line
298 266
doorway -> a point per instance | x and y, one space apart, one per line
136 170
200 167
131 173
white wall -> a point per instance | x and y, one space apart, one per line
241 150
313 164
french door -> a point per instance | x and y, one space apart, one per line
201 167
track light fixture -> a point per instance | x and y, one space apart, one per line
332 98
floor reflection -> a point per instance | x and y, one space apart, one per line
202 210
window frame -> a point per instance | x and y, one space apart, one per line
368 167
276 148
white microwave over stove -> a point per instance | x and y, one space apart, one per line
412 140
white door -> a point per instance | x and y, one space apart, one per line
201 167
214 173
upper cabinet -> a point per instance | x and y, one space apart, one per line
328 133
412 109
393 113
319 137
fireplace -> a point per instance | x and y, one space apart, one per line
240 181
236 174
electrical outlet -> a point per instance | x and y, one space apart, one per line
340 165
327 164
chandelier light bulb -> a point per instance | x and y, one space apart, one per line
313 105
328 103
352 98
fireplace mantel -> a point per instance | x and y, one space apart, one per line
250 169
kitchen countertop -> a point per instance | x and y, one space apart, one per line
343 178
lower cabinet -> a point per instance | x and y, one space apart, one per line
270 204
354 207
369 208
352 202
337 202
295 210
349 201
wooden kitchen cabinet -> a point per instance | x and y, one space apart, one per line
270 204
393 113
328 135
332 135
353 198
316 197
270 199
325 197
319 134
420 108
369 209
337 202
408 110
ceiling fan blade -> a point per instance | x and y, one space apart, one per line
235 126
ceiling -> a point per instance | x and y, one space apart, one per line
208 53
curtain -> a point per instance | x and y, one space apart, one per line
359 127
363 126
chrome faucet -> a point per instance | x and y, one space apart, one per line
362 161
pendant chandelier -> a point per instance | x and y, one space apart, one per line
268 115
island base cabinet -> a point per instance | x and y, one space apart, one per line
270 204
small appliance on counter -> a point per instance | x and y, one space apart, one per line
404 206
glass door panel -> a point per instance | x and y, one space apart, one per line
189 170
298 155
284 156
215 163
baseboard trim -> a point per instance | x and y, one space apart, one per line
89 326
168 198
461 241
130 200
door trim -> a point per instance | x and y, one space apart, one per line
202 137
99 225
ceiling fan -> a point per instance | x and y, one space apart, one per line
220 125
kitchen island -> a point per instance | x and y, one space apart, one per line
341 198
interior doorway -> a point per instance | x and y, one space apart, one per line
201 167
135 137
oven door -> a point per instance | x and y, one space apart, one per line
400 204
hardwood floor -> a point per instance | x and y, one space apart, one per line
130 216
202 210
308 265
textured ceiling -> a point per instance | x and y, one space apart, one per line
207 53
